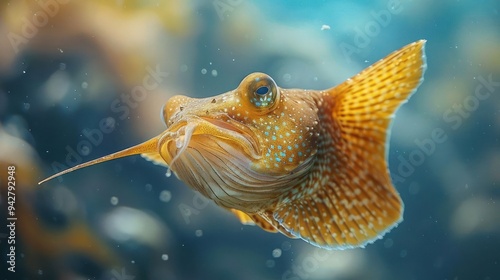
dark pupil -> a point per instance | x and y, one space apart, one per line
262 90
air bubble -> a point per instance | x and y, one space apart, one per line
165 196
277 253
270 263
203 71
164 257
287 77
198 233
286 246
26 107
84 151
403 253
114 200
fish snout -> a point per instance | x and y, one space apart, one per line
175 107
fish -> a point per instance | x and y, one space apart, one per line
310 164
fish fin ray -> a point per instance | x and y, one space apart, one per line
263 220
243 217
353 201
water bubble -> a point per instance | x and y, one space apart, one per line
114 200
270 263
148 187
184 68
403 253
61 50
164 257
85 150
165 196
287 77
85 85
132 261
109 123
286 246
40 272
168 173
198 233
277 253
214 73
62 66
325 27
26 106
203 71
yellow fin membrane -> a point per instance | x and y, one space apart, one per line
353 201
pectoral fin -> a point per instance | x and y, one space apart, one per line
155 158
265 221
354 202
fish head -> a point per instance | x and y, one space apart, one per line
247 142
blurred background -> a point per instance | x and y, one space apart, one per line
82 79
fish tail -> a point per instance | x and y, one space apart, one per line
354 201
377 92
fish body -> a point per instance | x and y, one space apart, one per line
310 164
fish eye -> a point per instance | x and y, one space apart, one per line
263 92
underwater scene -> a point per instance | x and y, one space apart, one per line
237 139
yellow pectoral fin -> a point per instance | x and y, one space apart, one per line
262 220
155 158
244 218
254 219
357 202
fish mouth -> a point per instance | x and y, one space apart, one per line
222 133
237 132
216 156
